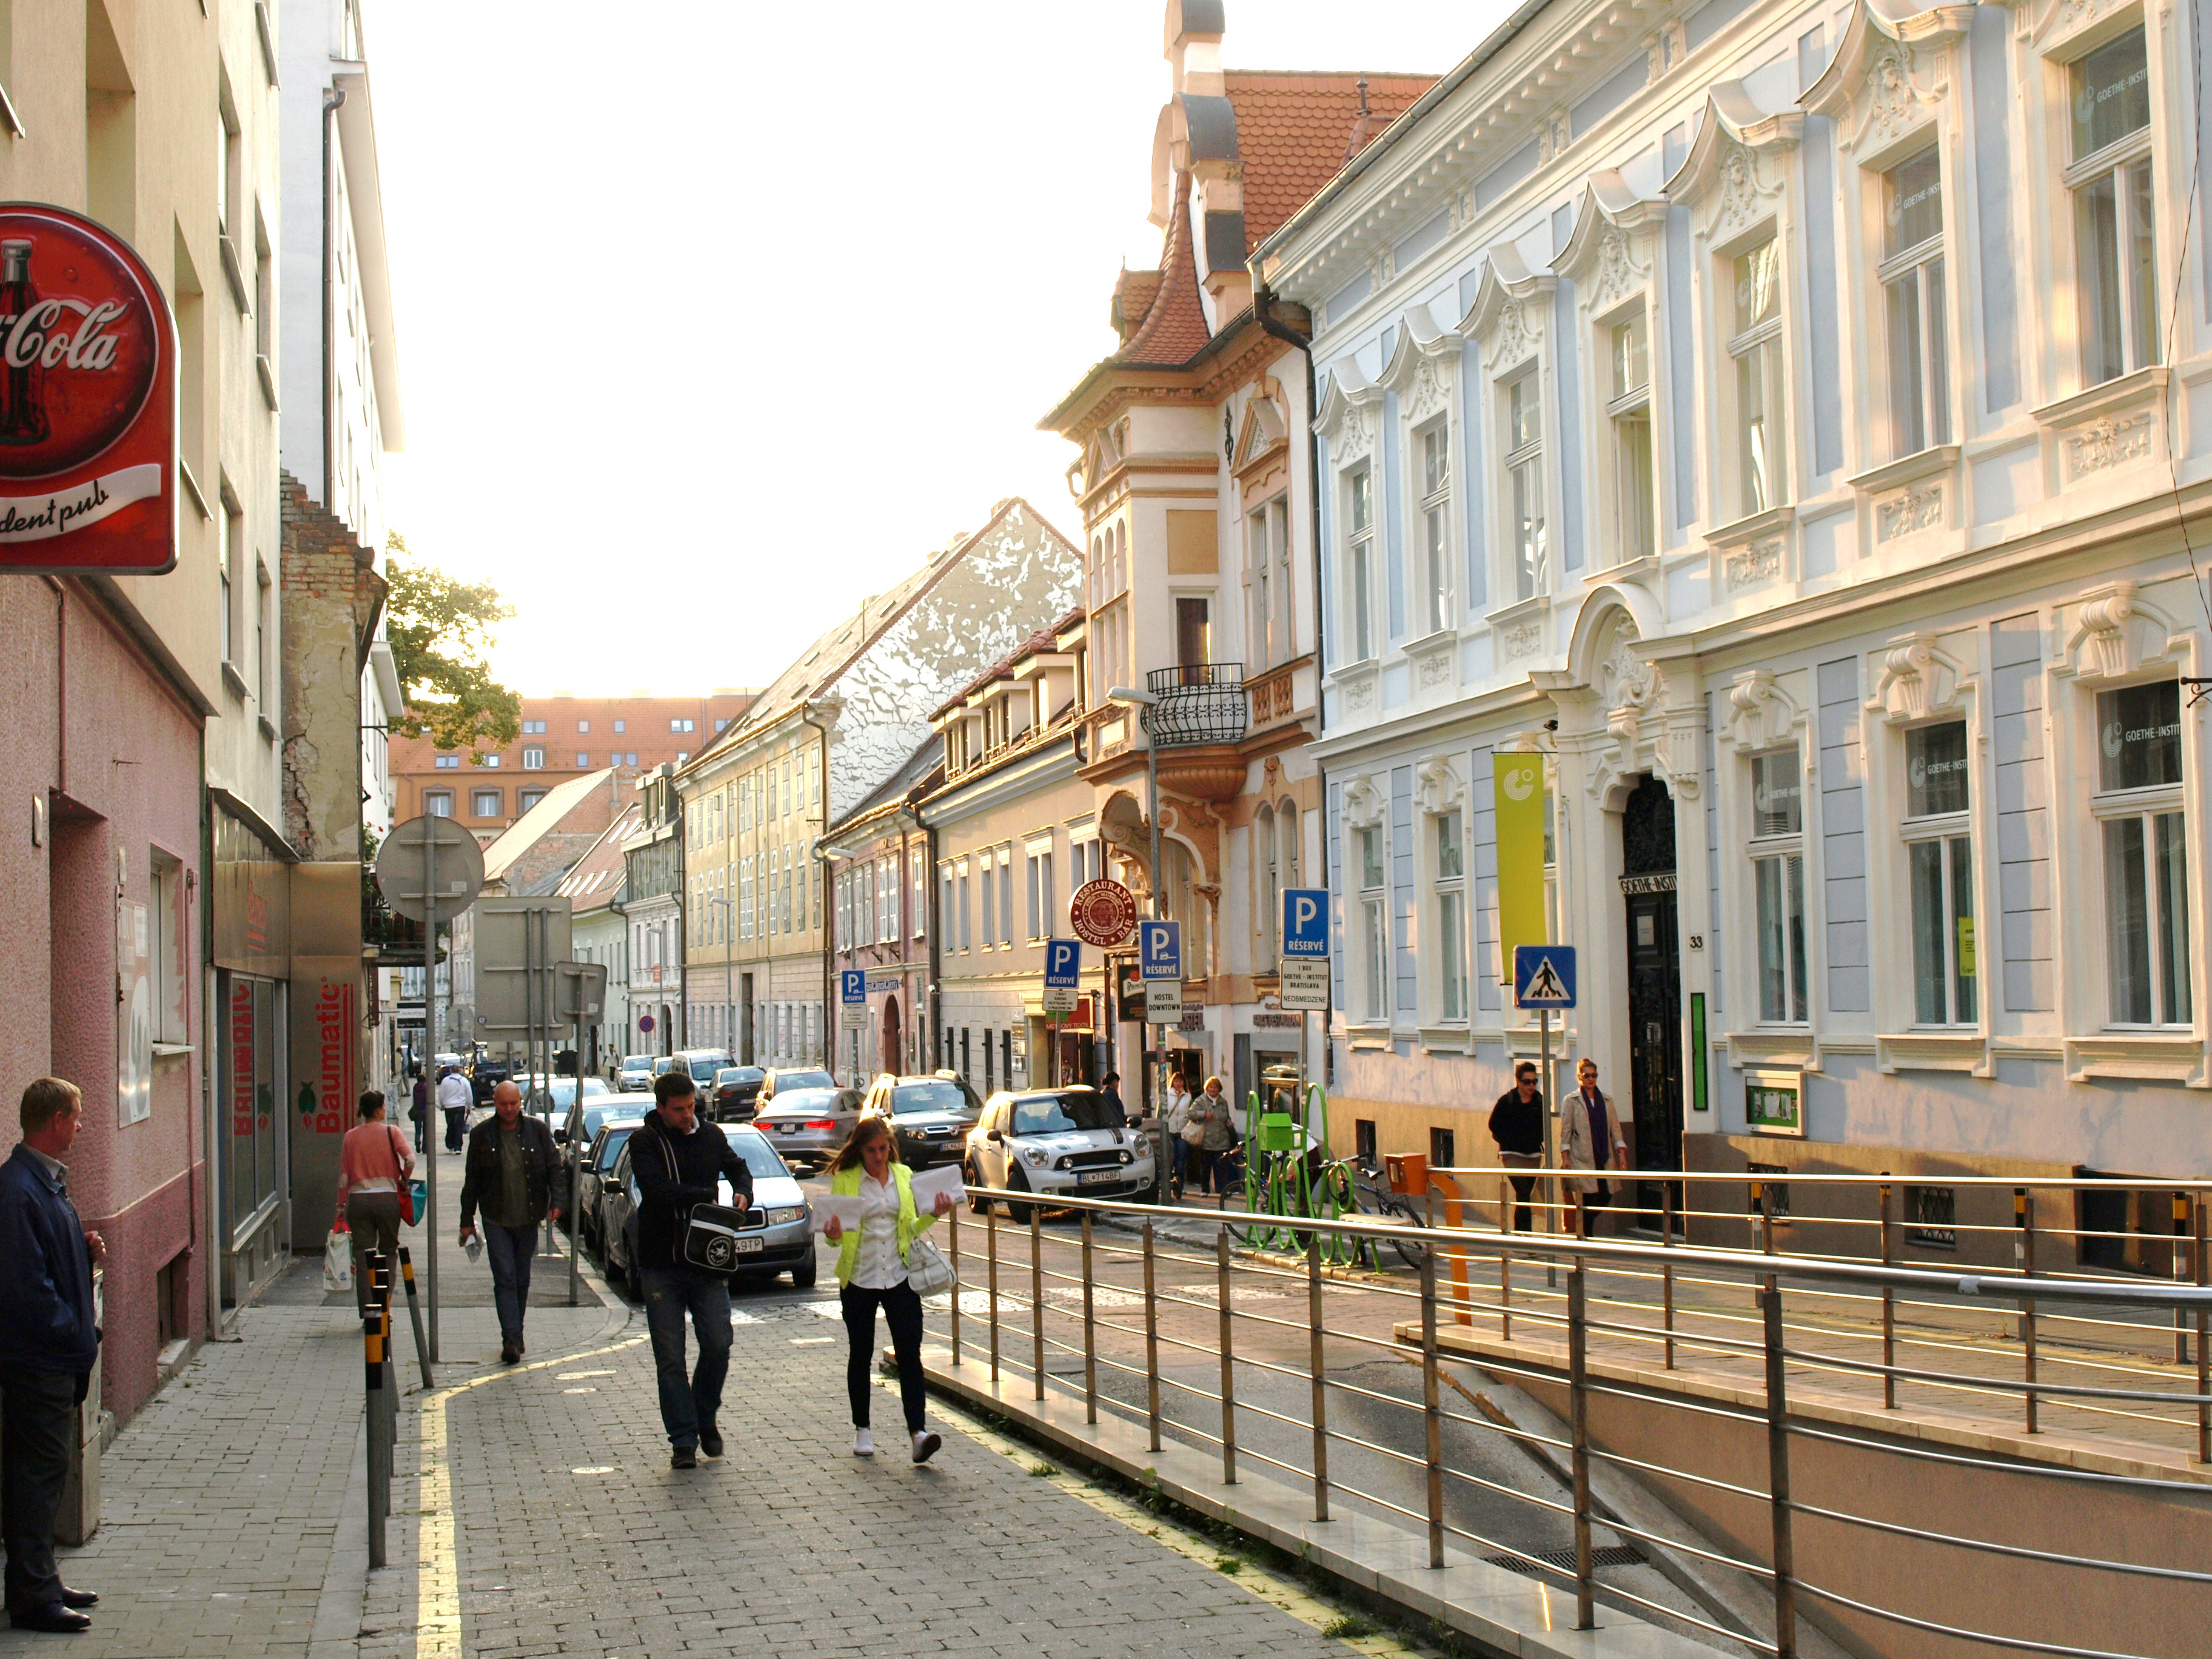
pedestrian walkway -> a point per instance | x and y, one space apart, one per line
536 1513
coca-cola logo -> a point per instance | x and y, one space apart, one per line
80 344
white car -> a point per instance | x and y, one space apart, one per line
1056 1141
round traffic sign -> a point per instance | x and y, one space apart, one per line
1103 912
429 861
645 1021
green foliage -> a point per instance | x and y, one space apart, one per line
441 636
1348 1627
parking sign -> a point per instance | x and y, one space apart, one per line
1305 921
1159 950
852 986
1063 966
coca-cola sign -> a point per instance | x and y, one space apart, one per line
88 401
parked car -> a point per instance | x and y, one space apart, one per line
538 1090
737 1089
1054 1141
486 1075
773 1081
808 1126
576 1132
929 1116
702 1064
778 1218
967 1089
635 1072
592 1180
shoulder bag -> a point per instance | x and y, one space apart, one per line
399 1180
927 1271
709 1238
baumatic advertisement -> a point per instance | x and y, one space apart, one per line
88 401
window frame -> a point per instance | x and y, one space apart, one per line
1948 830
1624 406
1360 543
2144 805
1455 979
1766 336
1374 903
2141 348
1431 489
1782 848
1926 265
1518 546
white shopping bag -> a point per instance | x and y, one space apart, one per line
337 1261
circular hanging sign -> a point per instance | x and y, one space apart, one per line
1102 912
88 399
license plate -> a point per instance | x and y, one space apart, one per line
747 1246
1097 1177
786 1128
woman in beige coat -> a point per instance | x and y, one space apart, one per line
1583 1116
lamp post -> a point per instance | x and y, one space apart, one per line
1143 702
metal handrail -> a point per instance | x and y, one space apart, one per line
1776 1276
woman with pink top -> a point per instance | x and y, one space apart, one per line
373 1162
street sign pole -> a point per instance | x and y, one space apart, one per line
432 1139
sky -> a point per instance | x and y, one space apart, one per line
710 328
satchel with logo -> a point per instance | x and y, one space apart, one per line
709 1238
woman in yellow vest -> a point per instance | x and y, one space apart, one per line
871 1274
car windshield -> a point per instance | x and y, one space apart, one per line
760 1158
938 1095
808 1100
1044 1114
636 1062
703 1071
613 1148
804 1080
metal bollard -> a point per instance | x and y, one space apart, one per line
372 1327
1090 1333
1151 1346
1320 1379
1578 1437
991 1247
2023 1216
415 1315
1036 1299
1228 1361
952 1248
1778 1475
1432 1409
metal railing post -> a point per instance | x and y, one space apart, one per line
2023 1215
2204 1357
1667 1268
2181 1275
1578 1436
1151 1345
1320 1374
952 1247
1228 1359
1432 1407
1504 1259
991 1250
1778 1475
1888 1303
1037 1298
1090 1333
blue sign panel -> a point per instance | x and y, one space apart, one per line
852 986
1159 949
1543 976
1305 921
1063 963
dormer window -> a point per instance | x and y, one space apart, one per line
1912 286
1755 347
2114 250
1524 478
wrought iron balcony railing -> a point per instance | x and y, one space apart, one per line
1199 702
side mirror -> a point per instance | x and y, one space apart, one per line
995 1135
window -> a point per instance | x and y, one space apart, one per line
438 803
947 908
444 761
1360 566
1451 916
526 799
172 966
1524 483
530 728
1086 860
263 602
2116 272
967 939
1435 527
1629 411
1364 1142
2146 854
1374 923
584 727
1777 865
1193 631
1912 287
533 759
990 893
918 884
621 727
583 759
485 803
1932 1217
1755 346
630 759
1271 595
675 726
487 760
1443 1153
226 533
1268 912
1006 898
1040 892
1940 874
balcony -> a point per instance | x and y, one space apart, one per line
1198 703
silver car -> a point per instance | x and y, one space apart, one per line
634 1073
808 1126
1052 1141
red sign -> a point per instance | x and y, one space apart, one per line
1102 912
88 401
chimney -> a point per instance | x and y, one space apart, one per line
1193 47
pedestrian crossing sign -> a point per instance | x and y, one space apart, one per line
1543 975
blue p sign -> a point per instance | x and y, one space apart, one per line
1305 921
853 985
1159 949
1063 963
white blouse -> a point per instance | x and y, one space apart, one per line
879 1268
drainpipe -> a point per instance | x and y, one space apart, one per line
332 101
821 875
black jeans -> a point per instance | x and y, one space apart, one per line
38 1428
1522 1185
902 1312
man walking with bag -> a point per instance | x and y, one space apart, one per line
510 1170
48 1346
678 1162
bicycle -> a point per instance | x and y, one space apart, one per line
1347 1186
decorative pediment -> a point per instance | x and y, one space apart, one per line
1510 305
2052 22
1732 178
1888 75
1363 805
1437 785
1915 679
1351 411
1263 435
1612 253
2116 633
1420 368
1760 714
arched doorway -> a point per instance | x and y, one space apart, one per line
1655 980
892 1041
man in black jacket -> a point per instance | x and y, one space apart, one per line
50 1343
678 1162
1517 1124
510 1169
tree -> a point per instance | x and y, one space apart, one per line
441 638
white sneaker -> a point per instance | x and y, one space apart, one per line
864 1443
925 1446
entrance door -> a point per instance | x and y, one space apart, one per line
1654 983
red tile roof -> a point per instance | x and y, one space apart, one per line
1296 130
1174 330
1133 293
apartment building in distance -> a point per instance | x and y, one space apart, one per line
562 736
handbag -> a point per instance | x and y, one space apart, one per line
927 1271
407 1211
337 1261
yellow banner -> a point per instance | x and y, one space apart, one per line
1518 780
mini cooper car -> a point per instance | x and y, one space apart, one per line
1055 1142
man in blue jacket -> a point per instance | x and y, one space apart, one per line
49 1344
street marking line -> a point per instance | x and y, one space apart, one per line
1256 1581
437 1577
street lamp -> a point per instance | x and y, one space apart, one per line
1129 697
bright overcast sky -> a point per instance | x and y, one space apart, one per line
714 318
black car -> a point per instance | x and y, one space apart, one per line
486 1075
929 1117
736 1089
